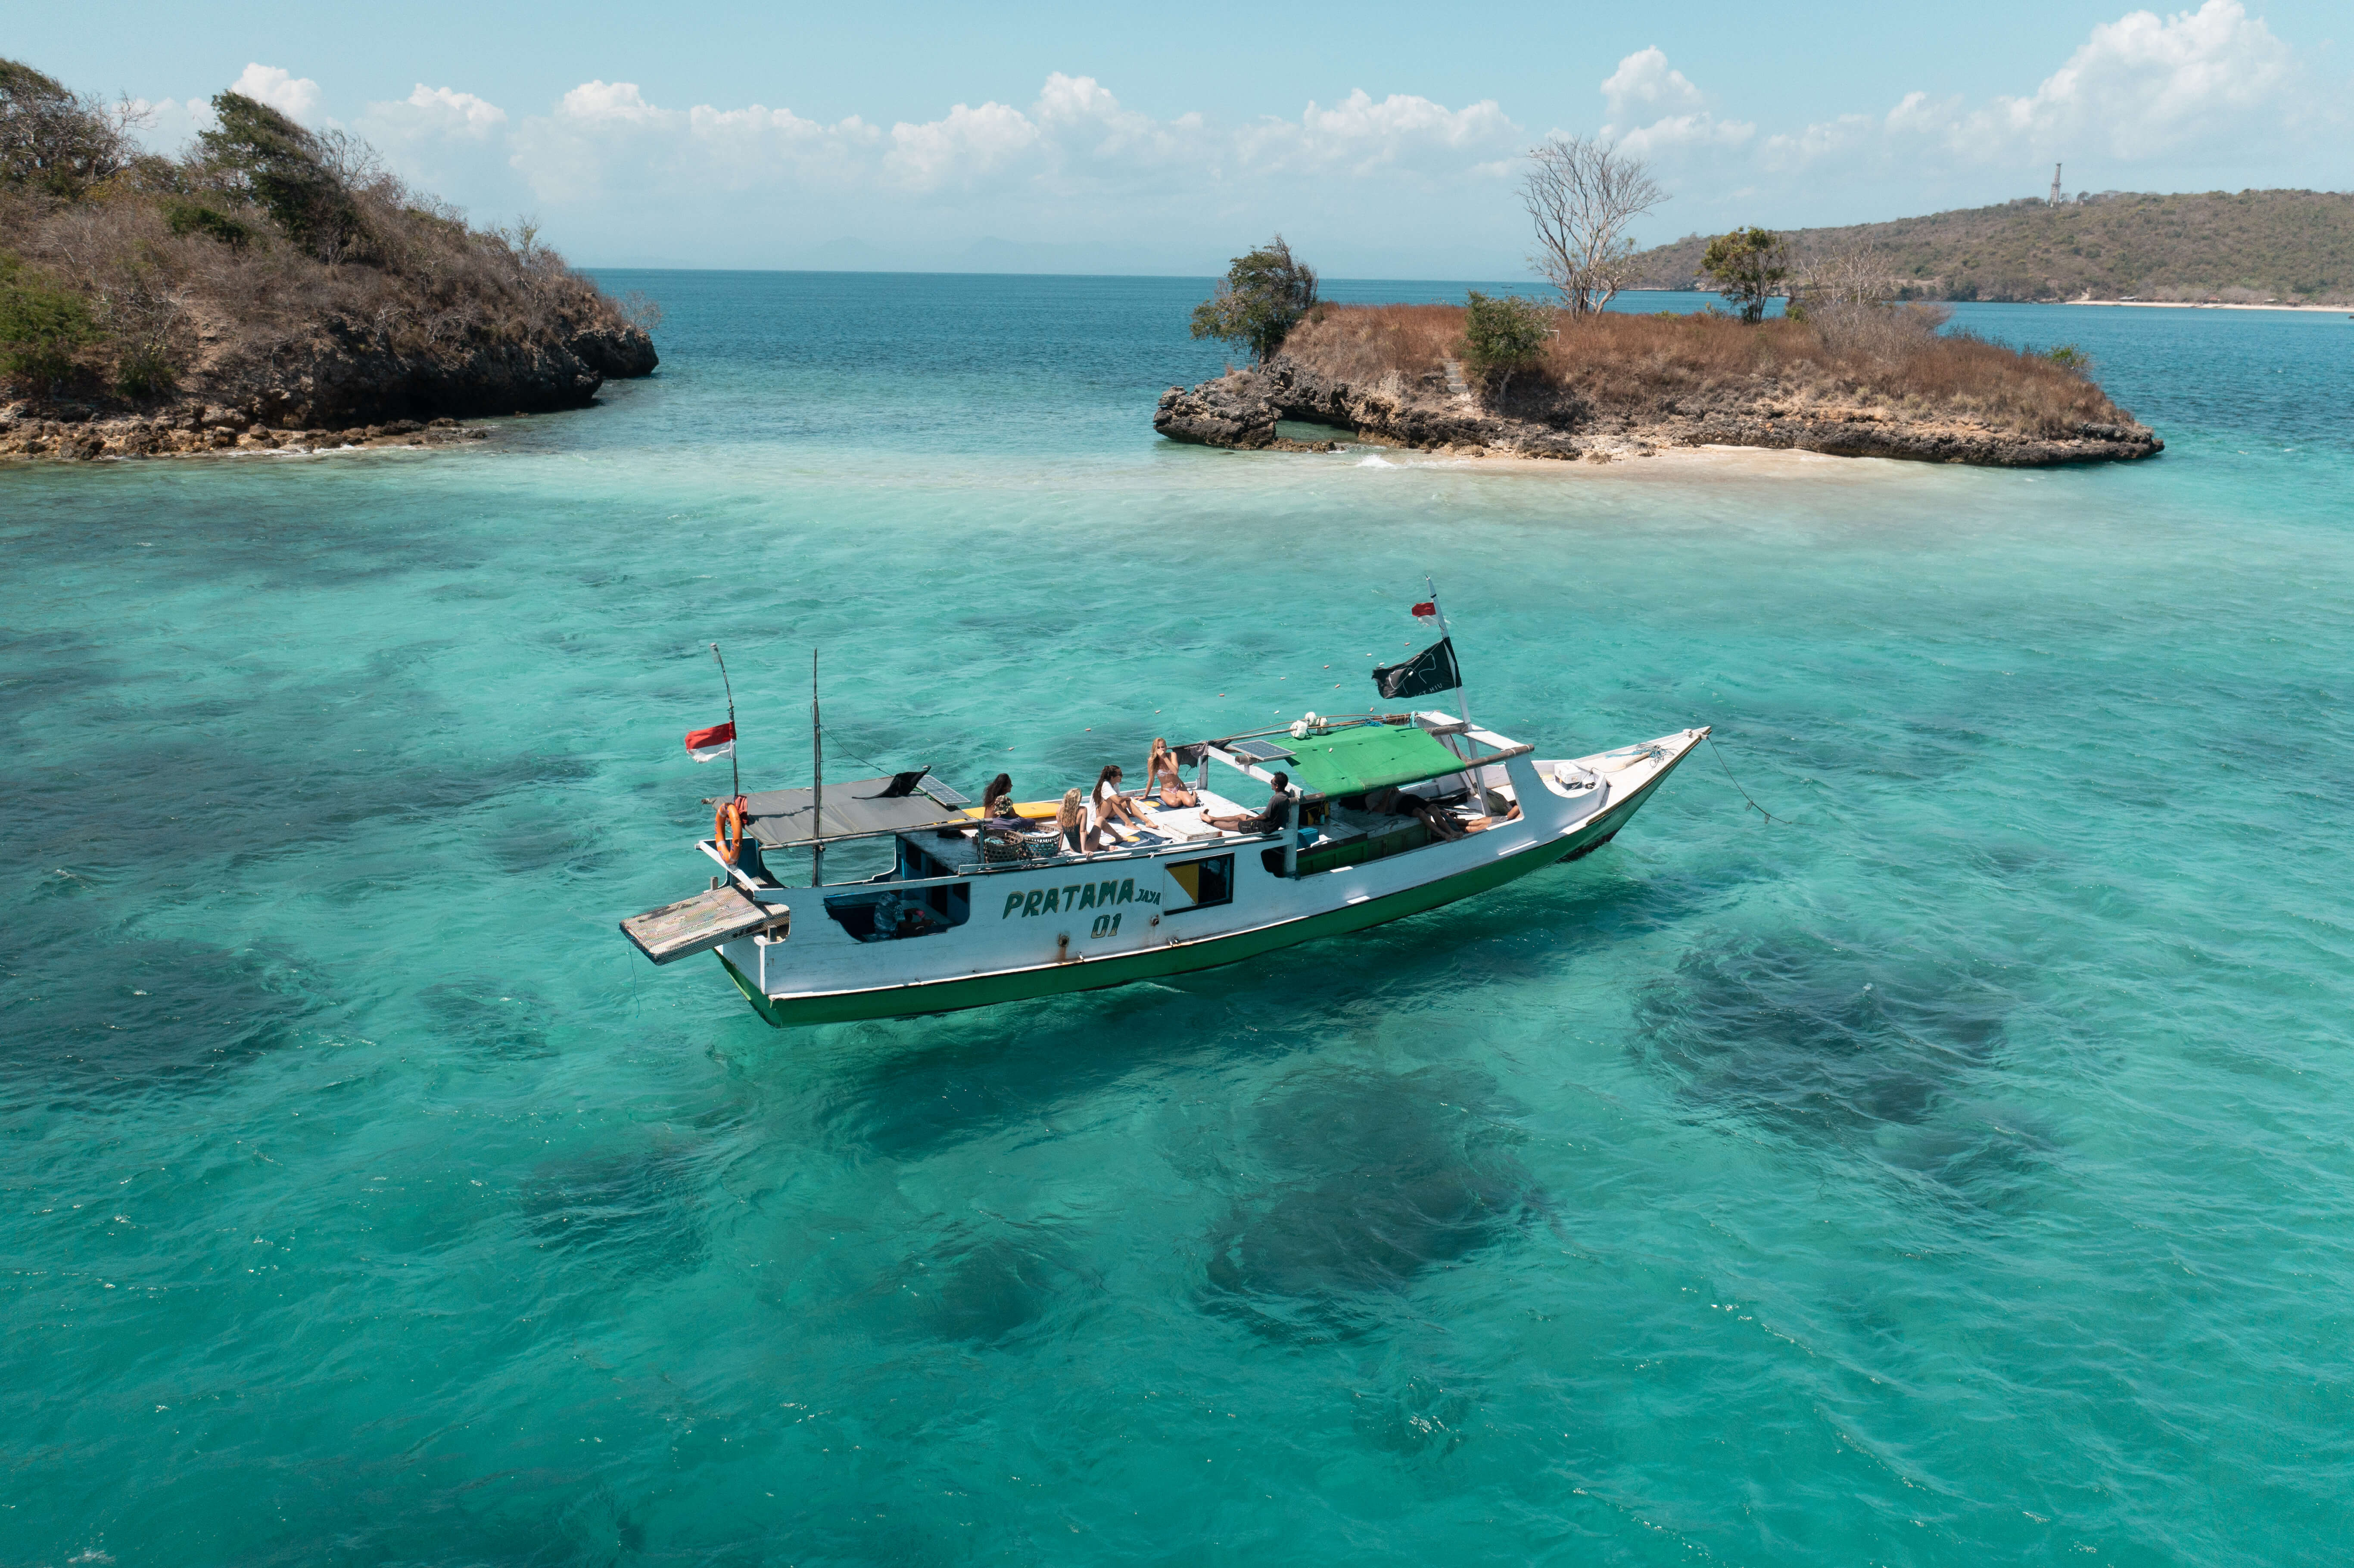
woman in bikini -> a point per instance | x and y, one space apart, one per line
1160 773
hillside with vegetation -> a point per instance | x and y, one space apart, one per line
272 286
1850 374
2248 246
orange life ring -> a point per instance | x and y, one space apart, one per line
728 828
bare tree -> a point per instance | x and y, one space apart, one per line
1581 195
1851 277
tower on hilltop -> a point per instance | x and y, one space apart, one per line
2055 186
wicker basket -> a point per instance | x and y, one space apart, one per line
1020 849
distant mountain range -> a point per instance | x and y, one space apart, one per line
2248 246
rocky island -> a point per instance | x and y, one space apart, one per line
274 287
1855 381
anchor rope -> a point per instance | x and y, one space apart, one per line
1754 806
827 730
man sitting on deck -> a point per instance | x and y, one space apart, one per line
1272 820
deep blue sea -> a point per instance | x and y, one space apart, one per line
1956 1173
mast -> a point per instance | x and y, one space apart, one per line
735 769
817 770
1462 697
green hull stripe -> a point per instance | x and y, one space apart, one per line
1092 974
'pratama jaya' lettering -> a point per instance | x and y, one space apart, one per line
1077 895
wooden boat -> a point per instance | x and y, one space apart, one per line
1395 813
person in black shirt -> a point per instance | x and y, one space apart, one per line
1274 819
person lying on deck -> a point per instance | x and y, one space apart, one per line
1398 804
1160 773
1478 824
1273 819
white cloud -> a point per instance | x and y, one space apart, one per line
2142 84
1361 135
2140 87
296 97
609 103
1645 84
966 145
1076 135
454 114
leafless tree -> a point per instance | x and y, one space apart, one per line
1853 276
1582 195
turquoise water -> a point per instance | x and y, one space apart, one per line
1958 1174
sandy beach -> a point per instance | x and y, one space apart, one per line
2200 305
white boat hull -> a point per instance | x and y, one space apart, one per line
1083 922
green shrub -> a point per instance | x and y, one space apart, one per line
1261 298
40 326
1747 264
2068 356
195 217
284 167
1503 336
144 370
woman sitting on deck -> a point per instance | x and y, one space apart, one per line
1160 773
1111 806
1071 822
997 800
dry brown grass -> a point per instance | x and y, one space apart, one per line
1363 344
1631 364
422 284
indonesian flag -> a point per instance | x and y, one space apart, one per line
1427 610
711 745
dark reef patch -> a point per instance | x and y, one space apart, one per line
87 1018
633 1214
482 1021
1833 1046
1376 1179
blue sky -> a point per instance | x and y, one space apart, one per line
1382 139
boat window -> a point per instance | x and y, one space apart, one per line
1200 884
891 915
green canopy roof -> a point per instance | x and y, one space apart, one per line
1368 757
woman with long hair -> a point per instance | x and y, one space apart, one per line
1071 820
1111 806
997 800
1160 773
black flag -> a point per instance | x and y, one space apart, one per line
1431 669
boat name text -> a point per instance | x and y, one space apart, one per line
1076 896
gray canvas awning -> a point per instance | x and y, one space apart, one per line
857 808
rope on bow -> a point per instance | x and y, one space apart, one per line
1754 806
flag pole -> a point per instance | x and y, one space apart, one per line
817 771
1462 697
734 771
